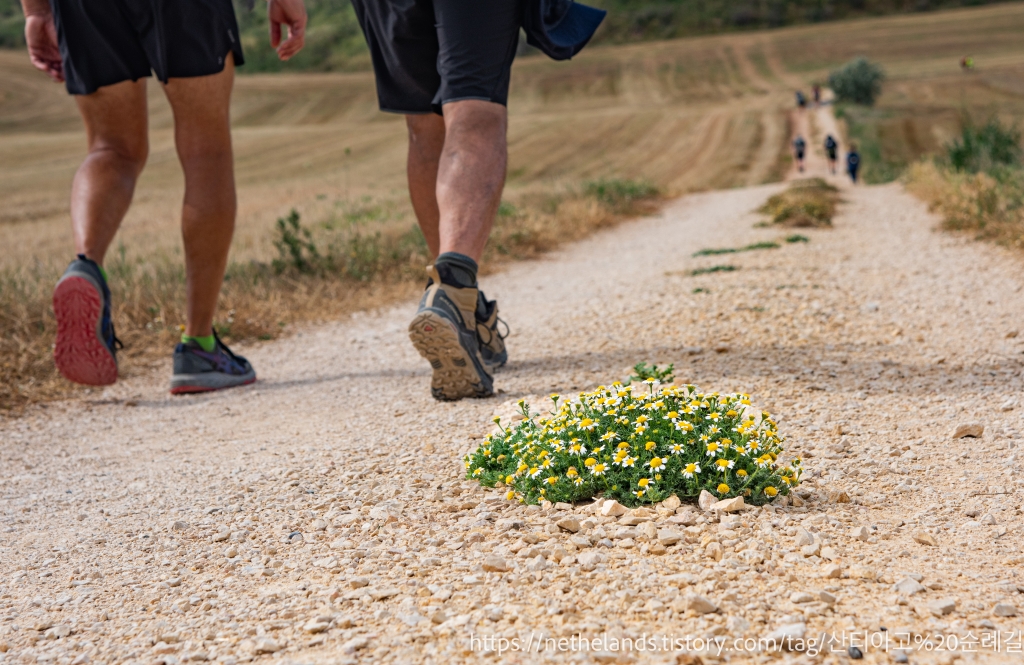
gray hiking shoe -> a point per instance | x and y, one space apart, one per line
200 371
440 333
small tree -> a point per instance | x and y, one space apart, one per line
858 81
986 147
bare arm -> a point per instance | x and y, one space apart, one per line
291 14
41 37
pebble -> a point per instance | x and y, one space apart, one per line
668 537
570 524
589 560
613 508
495 564
925 538
354 644
803 538
860 533
267 645
732 505
942 607
1004 610
799 597
974 430
700 604
706 500
788 636
908 586
833 571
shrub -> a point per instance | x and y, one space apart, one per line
637 445
858 81
618 194
985 148
807 203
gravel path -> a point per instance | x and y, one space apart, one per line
319 516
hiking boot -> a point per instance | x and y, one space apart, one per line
85 350
200 371
492 340
440 333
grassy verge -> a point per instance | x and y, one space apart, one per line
876 133
362 257
807 203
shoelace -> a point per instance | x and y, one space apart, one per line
500 321
225 347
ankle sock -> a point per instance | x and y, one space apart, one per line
457 270
103 272
207 342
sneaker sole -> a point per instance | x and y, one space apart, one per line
455 373
80 353
208 382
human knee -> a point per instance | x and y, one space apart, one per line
426 129
476 117
131 152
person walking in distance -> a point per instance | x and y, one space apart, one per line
831 147
103 51
446 65
799 147
853 163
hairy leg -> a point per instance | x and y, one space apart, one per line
202 135
471 174
116 130
426 141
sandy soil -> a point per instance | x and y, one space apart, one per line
319 516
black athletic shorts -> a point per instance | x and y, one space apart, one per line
109 41
427 53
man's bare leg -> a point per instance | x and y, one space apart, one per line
118 144
202 135
426 142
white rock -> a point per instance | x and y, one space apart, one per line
799 597
942 607
833 572
1004 610
672 503
974 430
613 508
317 625
589 560
860 533
354 644
569 523
668 537
700 604
648 530
495 564
706 500
732 505
803 538
267 645
908 586
788 637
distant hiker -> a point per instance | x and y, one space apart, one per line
853 163
799 147
103 51
966 63
445 65
816 90
801 101
831 146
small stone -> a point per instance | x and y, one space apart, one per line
633 520
732 505
813 549
925 538
672 503
569 523
221 536
713 551
974 430
828 553
657 548
804 538
230 552
589 560
908 586
1004 610
854 652
668 537
495 564
358 582
833 571
563 506
580 541
827 598
860 533
438 616
163 648
988 519
179 525
706 500
613 508
799 597
789 637
700 604
267 645
838 496
858 572
942 607
354 644
317 625
647 530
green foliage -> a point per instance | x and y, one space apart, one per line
645 372
12 24
295 247
797 238
713 269
807 203
767 244
858 81
987 148
619 194
883 151
637 445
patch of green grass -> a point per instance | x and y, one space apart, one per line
797 238
712 269
877 135
807 203
768 244
619 193
701 290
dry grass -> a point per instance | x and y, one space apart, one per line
807 203
984 206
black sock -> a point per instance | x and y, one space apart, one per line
456 270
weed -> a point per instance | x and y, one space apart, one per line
768 244
645 372
806 203
797 238
712 269
620 194
701 290
295 247
989 148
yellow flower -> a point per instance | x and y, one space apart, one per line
643 482
511 495
656 464
587 424
690 470
551 480
770 491
741 473
650 445
623 446
731 413
590 461
609 436
599 469
572 473
723 488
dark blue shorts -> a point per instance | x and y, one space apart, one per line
427 53
104 42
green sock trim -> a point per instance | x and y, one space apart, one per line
103 272
207 342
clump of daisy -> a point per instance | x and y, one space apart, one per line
638 443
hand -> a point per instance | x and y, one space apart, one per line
41 37
291 13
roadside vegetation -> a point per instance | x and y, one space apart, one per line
977 186
359 258
806 203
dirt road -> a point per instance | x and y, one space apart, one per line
319 516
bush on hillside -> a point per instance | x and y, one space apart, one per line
858 81
985 148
